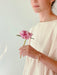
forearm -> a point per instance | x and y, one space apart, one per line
49 62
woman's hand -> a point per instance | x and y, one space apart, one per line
28 50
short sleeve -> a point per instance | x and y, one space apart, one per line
53 48
55 43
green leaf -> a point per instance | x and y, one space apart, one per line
18 35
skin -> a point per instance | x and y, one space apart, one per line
46 14
28 50
44 9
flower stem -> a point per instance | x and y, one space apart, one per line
23 44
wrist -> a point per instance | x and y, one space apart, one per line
38 56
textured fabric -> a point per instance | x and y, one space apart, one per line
45 41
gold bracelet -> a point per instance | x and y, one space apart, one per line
39 57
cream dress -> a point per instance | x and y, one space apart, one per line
45 41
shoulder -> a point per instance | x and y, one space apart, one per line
33 27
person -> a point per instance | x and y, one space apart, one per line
41 52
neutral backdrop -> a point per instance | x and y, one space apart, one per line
15 15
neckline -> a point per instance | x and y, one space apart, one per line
48 21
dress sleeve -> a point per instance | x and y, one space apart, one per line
53 49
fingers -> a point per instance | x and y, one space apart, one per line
21 47
23 53
23 50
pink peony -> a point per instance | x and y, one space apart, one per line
25 34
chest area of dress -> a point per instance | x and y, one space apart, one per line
41 36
